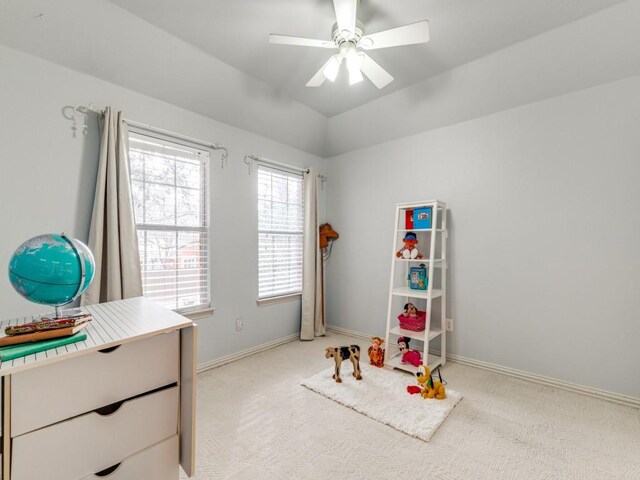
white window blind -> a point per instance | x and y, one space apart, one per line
170 184
280 229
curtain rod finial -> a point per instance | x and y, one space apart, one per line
247 161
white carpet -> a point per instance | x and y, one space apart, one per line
256 422
382 395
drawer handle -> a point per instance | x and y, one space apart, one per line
108 471
110 349
110 409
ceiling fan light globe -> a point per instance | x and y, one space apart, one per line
354 59
355 76
330 71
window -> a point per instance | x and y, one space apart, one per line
169 182
280 228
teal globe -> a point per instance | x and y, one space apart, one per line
51 269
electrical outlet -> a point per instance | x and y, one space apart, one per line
239 324
450 324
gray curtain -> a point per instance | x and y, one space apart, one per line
112 237
312 318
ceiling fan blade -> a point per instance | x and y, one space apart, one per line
319 78
305 42
378 75
346 14
406 35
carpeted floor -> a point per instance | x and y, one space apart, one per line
255 422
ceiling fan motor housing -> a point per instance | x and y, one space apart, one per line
341 37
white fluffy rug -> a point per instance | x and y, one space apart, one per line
382 395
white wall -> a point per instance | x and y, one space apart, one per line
47 179
544 235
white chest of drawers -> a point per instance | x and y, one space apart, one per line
119 405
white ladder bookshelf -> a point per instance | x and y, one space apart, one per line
432 243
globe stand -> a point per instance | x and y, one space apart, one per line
61 312
83 274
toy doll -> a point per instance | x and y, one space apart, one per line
376 353
410 310
409 250
409 356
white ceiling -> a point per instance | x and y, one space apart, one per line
212 57
236 32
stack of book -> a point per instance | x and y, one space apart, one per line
46 333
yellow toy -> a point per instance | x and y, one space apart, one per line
429 388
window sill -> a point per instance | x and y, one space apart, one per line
281 299
198 314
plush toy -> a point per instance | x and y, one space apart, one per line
410 310
409 356
429 388
376 352
409 250
327 235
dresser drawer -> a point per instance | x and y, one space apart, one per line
92 442
46 395
159 462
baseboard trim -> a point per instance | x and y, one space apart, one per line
549 381
512 372
218 362
346 331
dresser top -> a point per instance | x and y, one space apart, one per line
114 323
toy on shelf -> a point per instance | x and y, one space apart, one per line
409 250
409 356
339 354
430 388
376 352
418 277
410 310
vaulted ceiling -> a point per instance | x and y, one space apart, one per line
236 32
213 56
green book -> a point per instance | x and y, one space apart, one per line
16 351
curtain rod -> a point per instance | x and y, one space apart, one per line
194 141
257 158
249 158
84 110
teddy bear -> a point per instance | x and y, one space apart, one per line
409 356
409 250
376 352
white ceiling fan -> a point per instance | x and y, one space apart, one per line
347 35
